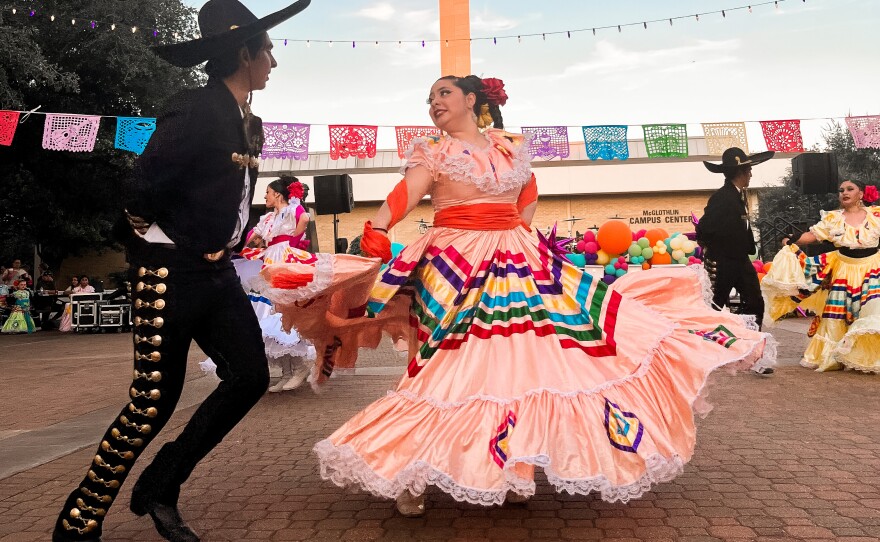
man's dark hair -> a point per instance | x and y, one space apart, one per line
733 173
225 65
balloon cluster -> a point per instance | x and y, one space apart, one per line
761 268
616 247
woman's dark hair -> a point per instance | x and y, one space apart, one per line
282 186
473 84
84 277
227 64
861 185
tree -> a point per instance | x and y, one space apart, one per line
780 207
62 202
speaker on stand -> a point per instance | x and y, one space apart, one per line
333 195
815 173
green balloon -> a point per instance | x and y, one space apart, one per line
634 249
643 242
753 257
619 272
647 253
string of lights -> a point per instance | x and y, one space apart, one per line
98 23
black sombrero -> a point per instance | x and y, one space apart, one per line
225 25
735 157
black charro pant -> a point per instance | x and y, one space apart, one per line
178 298
739 273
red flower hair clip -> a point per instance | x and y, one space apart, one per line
870 195
295 190
494 91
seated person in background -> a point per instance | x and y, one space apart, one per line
74 283
46 280
83 288
12 274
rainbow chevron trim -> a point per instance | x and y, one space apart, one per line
498 446
624 428
455 301
720 335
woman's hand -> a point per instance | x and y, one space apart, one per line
786 241
256 242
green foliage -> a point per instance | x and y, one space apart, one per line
64 202
355 246
782 204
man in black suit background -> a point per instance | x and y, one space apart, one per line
725 233
187 204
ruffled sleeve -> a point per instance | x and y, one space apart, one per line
829 227
260 228
423 151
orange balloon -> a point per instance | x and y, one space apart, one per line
761 276
767 267
614 237
657 234
646 265
661 258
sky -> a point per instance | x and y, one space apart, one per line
801 60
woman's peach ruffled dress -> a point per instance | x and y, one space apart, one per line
517 358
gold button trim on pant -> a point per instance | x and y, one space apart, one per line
112 484
151 412
142 429
88 525
159 304
153 395
115 433
99 461
158 288
110 450
155 340
162 272
100 512
152 356
105 499
155 376
155 322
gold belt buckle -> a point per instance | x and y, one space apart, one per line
214 256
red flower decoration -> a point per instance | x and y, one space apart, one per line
295 190
494 91
870 195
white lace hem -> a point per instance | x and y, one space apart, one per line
323 278
344 467
275 350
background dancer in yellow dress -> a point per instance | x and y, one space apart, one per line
842 287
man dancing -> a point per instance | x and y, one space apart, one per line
187 204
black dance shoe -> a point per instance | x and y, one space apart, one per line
167 519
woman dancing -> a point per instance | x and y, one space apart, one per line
518 359
842 287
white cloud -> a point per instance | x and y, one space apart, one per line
383 11
609 58
486 22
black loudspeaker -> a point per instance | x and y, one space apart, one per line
814 173
333 194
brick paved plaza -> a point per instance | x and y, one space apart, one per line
792 457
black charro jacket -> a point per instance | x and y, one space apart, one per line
724 230
186 180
